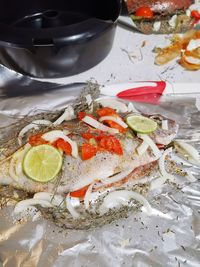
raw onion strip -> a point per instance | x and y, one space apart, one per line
122 197
115 119
100 126
24 204
116 178
191 178
150 142
165 125
55 200
70 208
113 103
66 116
11 170
52 136
87 196
142 148
18 165
161 164
32 125
190 150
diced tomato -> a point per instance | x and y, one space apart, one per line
87 136
64 146
111 144
144 12
82 115
36 140
160 146
195 14
106 112
115 125
88 151
80 193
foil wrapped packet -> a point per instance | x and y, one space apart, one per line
167 237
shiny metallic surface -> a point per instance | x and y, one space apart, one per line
167 238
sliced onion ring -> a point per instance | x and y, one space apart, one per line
56 200
24 204
87 196
116 178
122 197
100 126
192 152
191 178
52 136
70 207
66 116
114 119
161 164
141 149
33 125
150 142
113 103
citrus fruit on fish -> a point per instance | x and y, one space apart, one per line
141 124
42 163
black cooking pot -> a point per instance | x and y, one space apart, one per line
48 39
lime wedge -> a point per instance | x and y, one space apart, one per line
42 163
141 124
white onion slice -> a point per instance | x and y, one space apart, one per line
131 108
165 125
18 165
55 200
161 164
191 178
122 197
87 196
192 60
52 136
24 204
113 103
142 148
190 150
116 178
100 126
66 116
150 142
115 119
88 99
70 207
33 125
11 171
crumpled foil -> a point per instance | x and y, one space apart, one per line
170 237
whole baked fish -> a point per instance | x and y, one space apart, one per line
100 152
76 173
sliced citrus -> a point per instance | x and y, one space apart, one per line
42 163
141 124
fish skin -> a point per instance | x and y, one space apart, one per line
164 137
77 173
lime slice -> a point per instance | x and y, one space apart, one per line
42 163
141 124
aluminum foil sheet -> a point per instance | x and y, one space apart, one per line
169 237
